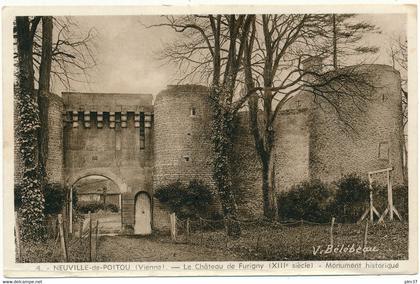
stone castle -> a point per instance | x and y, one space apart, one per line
140 144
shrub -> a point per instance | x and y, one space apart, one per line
55 196
399 198
111 207
75 198
171 195
315 201
95 206
351 198
187 201
308 200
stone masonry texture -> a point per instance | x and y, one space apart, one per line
374 143
112 151
55 158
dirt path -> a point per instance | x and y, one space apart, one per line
154 248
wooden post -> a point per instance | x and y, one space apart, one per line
81 229
370 198
119 203
258 242
96 240
365 238
226 223
390 203
332 231
71 211
63 242
202 231
90 237
17 235
55 226
300 237
65 229
57 236
372 210
173 226
188 230
390 209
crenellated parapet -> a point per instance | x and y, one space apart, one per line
109 111
109 119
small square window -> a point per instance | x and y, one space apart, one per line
186 158
193 111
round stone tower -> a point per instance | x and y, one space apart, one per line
182 148
374 143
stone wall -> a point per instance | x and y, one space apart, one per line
111 137
183 147
291 151
247 175
313 143
291 154
55 162
374 143
161 219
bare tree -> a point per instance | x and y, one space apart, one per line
398 55
36 59
342 35
73 52
399 60
43 90
27 130
282 46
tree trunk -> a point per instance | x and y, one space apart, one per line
222 142
272 194
268 188
33 225
405 166
43 90
334 43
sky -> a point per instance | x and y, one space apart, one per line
127 52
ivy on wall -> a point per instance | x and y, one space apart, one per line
222 138
32 199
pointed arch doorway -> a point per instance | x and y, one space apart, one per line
142 214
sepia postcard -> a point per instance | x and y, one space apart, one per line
210 140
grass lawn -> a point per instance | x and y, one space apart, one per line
300 242
257 242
